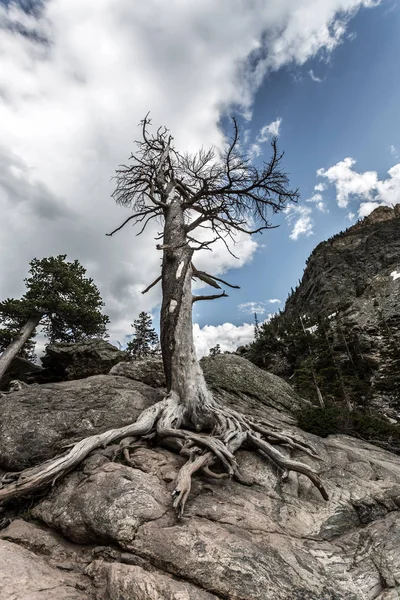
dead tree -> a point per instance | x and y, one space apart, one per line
190 195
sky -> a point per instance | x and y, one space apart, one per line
76 77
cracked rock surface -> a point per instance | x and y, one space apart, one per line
107 531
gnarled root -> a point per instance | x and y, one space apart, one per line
32 479
224 432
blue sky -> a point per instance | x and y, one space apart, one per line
353 112
76 78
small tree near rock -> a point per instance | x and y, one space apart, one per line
59 298
145 339
225 194
215 350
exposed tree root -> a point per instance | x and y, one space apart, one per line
223 432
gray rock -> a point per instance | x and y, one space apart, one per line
349 278
26 576
132 498
81 359
230 376
147 370
245 387
276 539
37 421
124 582
21 369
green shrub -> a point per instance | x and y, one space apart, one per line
338 419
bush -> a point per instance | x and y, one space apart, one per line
338 419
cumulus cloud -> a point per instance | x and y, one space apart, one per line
348 182
364 187
274 301
227 335
75 81
299 217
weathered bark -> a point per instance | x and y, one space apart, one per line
23 336
183 373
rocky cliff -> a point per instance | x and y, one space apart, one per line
353 267
107 531
349 298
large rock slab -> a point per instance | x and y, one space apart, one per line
37 421
81 359
277 539
26 576
147 370
124 582
234 380
112 502
20 369
239 383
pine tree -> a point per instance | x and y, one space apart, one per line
59 298
256 326
215 350
145 339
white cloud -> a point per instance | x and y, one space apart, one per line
314 77
348 182
351 216
365 187
269 131
317 199
394 151
69 109
300 218
249 308
227 335
320 187
366 208
266 134
254 151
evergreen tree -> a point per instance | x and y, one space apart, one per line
145 339
215 350
256 326
61 299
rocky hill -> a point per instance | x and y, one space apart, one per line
343 320
353 267
107 531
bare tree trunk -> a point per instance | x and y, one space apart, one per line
184 376
23 336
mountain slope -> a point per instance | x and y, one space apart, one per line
340 329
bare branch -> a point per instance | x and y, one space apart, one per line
213 297
211 279
121 226
152 284
208 279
